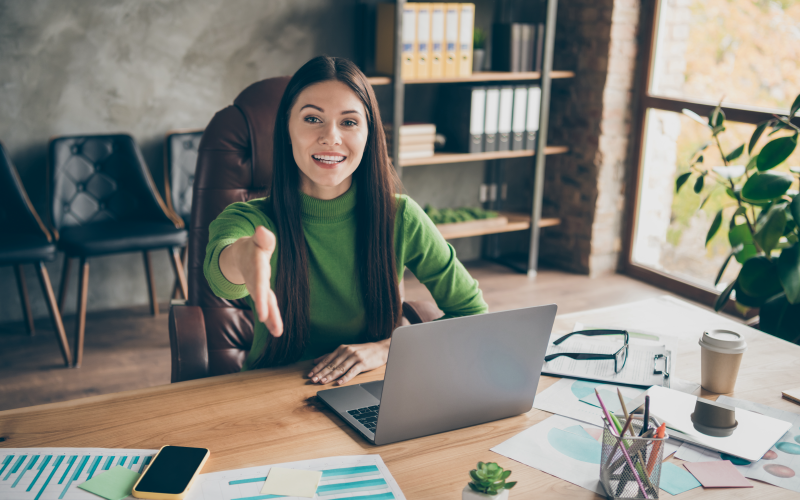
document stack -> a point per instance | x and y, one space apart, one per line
479 118
436 39
517 47
416 140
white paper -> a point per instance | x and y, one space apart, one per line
55 473
552 446
753 437
775 465
342 477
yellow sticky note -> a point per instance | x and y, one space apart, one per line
292 482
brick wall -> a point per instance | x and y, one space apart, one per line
591 113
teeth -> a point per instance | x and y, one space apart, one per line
328 159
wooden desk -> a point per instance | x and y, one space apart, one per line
272 416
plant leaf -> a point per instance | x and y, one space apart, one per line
510 485
742 243
766 186
759 279
756 135
506 473
694 116
475 488
795 107
730 172
795 208
698 184
751 163
775 152
715 226
771 229
739 211
735 153
724 296
789 273
777 126
717 117
722 269
681 180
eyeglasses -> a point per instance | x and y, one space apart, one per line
619 357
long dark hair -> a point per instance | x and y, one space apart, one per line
375 213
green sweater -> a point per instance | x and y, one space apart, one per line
337 309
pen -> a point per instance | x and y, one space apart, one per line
646 415
660 433
639 448
624 451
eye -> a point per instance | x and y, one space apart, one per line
350 123
311 119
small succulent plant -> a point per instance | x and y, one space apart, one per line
490 479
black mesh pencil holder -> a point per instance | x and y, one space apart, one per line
635 474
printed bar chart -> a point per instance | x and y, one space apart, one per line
55 473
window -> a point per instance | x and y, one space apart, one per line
744 53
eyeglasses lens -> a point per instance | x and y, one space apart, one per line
620 357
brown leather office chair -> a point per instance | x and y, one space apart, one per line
209 335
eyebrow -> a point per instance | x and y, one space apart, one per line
322 110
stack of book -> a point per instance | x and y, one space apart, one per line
480 118
416 140
436 38
517 47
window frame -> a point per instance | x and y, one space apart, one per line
648 35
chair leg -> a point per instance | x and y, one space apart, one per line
83 291
55 315
178 288
23 297
62 287
151 285
180 276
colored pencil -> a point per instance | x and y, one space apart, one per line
624 451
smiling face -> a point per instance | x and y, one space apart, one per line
328 129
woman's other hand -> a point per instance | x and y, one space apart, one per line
247 262
348 361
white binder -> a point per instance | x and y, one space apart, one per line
476 119
504 119
518 118
532 120
492 117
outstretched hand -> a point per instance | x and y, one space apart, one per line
347 361
247 261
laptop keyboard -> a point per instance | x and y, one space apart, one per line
367 416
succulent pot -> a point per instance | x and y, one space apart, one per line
478 56
468 494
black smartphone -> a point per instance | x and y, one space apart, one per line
171 473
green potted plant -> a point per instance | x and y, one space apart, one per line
488 482
763 214
478 50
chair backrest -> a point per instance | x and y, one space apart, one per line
180 153
17 215
234 163
95 178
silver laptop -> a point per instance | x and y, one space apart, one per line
450 374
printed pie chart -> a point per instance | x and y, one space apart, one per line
577 447
769 455
778 470
791 448
734 460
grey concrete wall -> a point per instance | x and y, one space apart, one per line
143 67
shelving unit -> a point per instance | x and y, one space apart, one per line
439 158
532 221
516 222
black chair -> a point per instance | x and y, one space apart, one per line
180 163
105 202
26 240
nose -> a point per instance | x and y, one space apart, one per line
330 135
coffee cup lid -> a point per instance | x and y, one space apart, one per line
723 341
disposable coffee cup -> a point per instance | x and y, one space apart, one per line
721 354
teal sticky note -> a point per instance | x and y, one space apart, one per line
675 480
114 484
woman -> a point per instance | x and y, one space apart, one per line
321 258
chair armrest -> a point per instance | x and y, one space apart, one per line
421 311
187 342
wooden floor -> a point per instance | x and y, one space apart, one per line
129 349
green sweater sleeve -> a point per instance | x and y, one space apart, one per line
238 220
433 261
